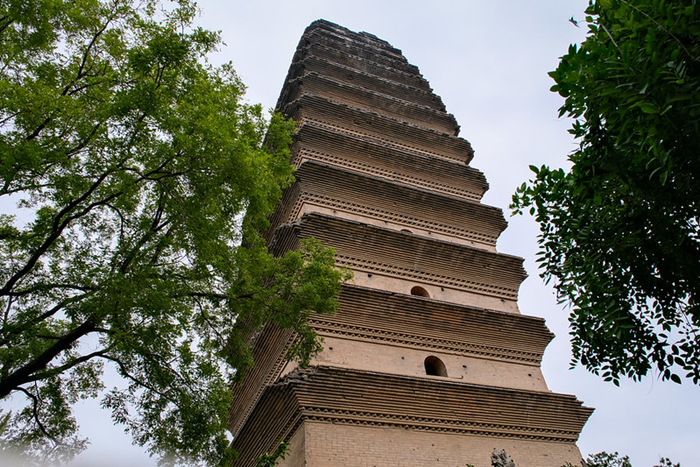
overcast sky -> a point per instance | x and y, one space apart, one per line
488 60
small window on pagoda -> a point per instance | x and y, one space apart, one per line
435 367
420 291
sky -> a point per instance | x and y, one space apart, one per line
488 60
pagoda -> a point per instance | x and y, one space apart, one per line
428 361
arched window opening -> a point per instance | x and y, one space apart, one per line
420 291
406 230
434 367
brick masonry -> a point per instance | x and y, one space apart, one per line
428 361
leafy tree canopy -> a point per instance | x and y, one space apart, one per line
605 459
132 162
620 229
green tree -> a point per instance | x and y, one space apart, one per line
132 162
605 459
271 460
620 234
666 462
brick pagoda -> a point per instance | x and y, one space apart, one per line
428 361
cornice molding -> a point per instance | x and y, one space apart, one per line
378 419
386 200
372 100
364 398
330 328
403 255
386 130
471 188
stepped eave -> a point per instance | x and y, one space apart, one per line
385 200
380 400
347 74
391 131
364 37
362 97
333 146
377 249
358 48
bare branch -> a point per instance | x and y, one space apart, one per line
45 286
6 190
86 54
38 129
6 315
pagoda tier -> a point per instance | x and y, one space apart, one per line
371 101
337 415
395 133
344 193
403 89
373 157
428 360
393 260
479 346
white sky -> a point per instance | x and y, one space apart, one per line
488 60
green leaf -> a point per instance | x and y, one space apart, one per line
618 230
649 108
142 168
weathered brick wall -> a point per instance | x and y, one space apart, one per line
404 360
296 453
385 180
330 445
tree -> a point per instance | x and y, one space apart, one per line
666 462
605 459
271 460
619 230
132 162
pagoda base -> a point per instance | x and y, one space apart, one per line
342 417
319 444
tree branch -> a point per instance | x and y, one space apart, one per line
38 129
23 375
136 380
67 366
6 22
9 330
84 142
662 27
86 55
211 295
35 413
46 286
57 229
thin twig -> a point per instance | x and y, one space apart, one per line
35 413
